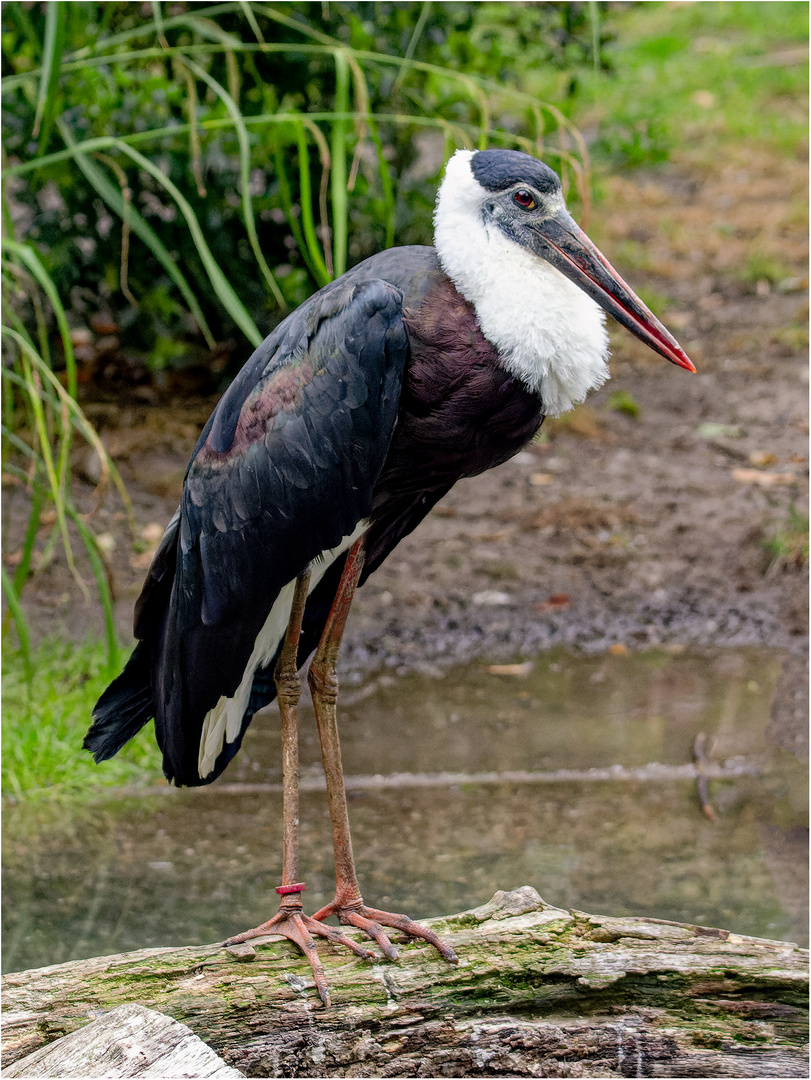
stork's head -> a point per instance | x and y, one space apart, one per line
505 238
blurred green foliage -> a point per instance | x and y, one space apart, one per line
44 721
347 112
787 543
623 402
693 75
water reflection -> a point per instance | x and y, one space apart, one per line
194 866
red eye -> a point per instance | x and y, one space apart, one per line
524 199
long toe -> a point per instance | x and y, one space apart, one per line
413 930
258 931
335 937
296 930
373 928
372 921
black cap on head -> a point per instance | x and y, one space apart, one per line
498 170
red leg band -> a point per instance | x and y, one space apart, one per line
284 890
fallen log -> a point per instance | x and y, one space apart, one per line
538 992
127 1042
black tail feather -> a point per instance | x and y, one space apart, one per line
123 709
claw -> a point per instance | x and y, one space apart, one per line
372 921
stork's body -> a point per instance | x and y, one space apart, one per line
355 416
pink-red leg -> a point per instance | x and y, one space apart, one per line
290 920
348 904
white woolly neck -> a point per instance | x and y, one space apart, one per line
548 332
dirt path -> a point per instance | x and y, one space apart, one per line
618 530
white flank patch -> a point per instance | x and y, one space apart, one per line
223 722
549 333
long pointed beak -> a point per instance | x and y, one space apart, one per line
569 250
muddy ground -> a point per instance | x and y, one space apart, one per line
617 531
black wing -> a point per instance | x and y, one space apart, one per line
282 473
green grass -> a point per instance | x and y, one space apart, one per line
622 402
761 266
695 74
787 547
44 722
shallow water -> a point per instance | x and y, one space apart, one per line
459 785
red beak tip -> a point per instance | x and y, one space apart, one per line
679 357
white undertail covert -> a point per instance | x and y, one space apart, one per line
224 722
549 333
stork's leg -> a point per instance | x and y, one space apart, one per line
348 904
290 920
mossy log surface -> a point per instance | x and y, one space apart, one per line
538 992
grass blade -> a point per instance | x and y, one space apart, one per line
286 194
322 274
26 254
49 76
254 25
101 575
126 207
384 172
207 28
17 614
23 571
54 393
33 387
182 70
244 175
340 208
323 194
157 18
412 45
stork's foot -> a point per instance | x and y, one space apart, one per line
291 922
372 921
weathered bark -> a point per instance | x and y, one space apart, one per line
538 992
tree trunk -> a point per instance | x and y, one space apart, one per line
538 992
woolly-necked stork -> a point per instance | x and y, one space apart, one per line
357 414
